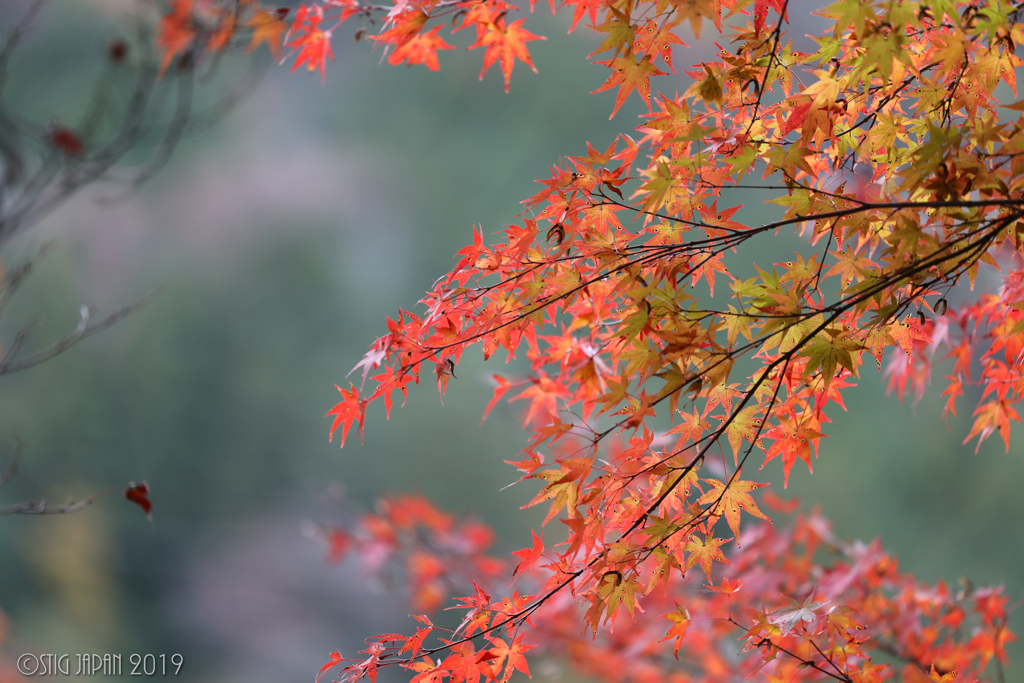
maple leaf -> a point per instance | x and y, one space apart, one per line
620 33
681 619
429 671
652 40
467 665
745 426
312 43
66 140
695 11
267 27
347 411
421 49
761 12
905 331
529 555
789 617
544 395
732 498
444 370
338 544
502 385
514 654
705 551
993 416
373 358
336 659
139 494
617 593
630 74
505 44
831 349
793 439
175 32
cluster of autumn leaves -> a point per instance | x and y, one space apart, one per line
895 166
198 28
859 602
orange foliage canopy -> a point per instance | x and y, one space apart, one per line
894 148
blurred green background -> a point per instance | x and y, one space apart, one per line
282 240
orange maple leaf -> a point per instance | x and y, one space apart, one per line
905 331
705 552
223 34
681 620
175 32
515 652
732 499
629 75
421 49
992 416
267 27
505 44
652 41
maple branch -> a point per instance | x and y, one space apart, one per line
836 310
768 642
776 36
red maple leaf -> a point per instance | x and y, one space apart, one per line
529 555
139 494
66 140
350 409
336 659
313 44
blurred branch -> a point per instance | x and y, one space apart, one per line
10 364
15 37
138 112
137 493
11 281
13 468
39 506
133 108
44 164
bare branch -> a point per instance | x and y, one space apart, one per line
39 506
13 468
83 330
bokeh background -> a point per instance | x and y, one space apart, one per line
282 239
